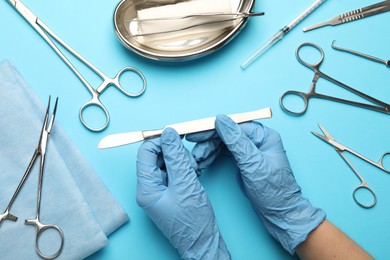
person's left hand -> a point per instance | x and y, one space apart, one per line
169 191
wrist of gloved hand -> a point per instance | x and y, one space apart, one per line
292 225
170 193
265 175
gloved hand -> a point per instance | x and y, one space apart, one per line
266 177
169 191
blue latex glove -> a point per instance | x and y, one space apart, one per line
169 191
266 177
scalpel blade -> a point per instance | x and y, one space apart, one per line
121 139
332 22
182 128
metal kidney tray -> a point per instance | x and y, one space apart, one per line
167 30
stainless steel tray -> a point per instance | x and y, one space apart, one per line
177 45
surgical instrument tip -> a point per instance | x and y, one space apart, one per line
313 27
366 56
51 121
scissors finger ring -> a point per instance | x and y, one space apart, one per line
40 229
364 186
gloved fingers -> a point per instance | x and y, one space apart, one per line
259 134
178 161
206 152
150 162
151 180
265 138
150 153
202 136
207 148
271 145
244 151
268 141
262 136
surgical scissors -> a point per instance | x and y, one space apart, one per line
40 151
340 149
48 35
382 107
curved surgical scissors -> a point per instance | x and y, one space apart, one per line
342 148
40 151
382 107
48 35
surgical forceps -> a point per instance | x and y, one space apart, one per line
48 35
340 149
40 151
382 107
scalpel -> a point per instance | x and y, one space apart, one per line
354 15
182 128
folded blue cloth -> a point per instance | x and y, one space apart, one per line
73 196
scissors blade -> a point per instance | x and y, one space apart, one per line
325 132
327 138
328 141
322 137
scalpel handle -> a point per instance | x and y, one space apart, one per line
182 128
365 12
354 15
209 123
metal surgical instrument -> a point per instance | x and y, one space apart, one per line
189 127
381 106
48 35
40 151
340 149
366 56
208 18
354 15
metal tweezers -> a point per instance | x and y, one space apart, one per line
354 15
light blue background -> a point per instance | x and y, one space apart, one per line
212 85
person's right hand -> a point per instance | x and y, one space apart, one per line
266 177
169 191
